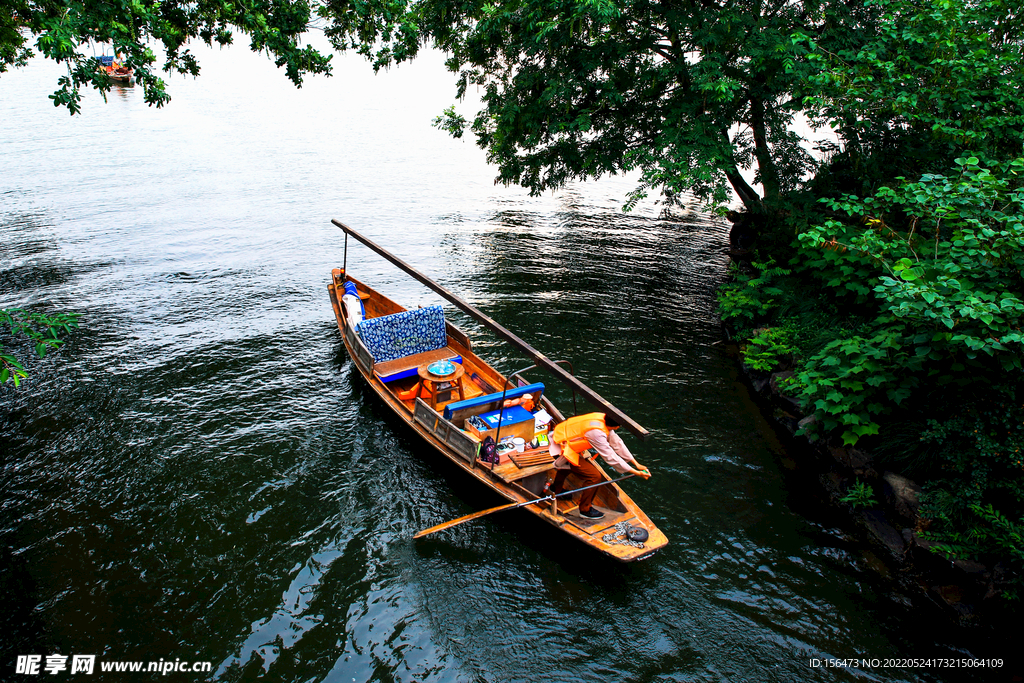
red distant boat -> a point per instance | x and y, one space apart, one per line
116 71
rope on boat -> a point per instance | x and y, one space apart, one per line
621 536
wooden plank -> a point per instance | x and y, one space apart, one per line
458 335
363 355
522 460
540 359
508 472
445 432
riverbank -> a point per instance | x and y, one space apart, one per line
968 592
795 340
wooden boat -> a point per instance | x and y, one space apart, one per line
438 406
121 75
116 71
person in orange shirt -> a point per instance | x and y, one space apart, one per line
568 442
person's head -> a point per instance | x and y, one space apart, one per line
611 422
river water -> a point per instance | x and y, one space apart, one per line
200 474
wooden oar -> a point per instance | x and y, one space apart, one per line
512 506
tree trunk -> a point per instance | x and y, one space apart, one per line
766 168
746 193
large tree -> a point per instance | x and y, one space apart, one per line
939 79
688 91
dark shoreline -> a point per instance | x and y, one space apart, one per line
964 592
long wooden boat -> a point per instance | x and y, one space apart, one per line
438 407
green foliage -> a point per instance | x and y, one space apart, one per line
688 92
748 297
939 262
853 380
982 454
990 536
846 273
920 246
1000 537
769 347
976 484
39 329
935 79
62 29
860 495
452 123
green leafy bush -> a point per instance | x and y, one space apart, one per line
749 297
919 253
860 495
975 484
770 347
39 329
947 253
786 342
930 274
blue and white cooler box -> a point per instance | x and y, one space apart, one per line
515 421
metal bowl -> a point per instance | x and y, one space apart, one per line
441 368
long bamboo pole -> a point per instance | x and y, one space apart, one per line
539 358
510 506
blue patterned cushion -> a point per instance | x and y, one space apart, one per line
398 335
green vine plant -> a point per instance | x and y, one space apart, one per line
39 329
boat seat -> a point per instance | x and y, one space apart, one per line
480 404
399 335
401 368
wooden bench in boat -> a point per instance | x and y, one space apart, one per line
508 472
400 368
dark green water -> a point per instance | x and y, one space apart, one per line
200 474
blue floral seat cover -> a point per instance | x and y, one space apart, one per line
398 335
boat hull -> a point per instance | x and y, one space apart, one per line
515 484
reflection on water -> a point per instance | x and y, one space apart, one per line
201 474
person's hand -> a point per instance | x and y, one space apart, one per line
642 472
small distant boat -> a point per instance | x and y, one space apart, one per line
425 370
116 71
